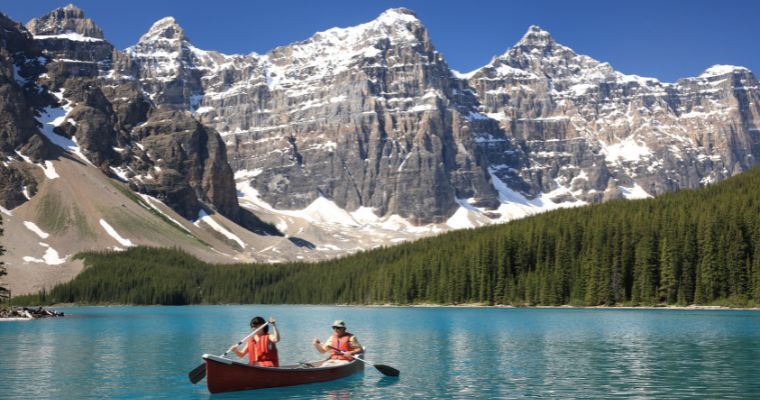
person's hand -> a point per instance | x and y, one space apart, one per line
316 341
271 320
232 349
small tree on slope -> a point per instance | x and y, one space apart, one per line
4 292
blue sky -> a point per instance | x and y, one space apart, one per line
662 39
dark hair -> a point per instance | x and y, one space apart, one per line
258 321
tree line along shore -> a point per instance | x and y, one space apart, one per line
692 247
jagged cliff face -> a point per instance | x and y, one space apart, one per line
69 21
368 116
371 119
109 119
371 116
21 64
589 130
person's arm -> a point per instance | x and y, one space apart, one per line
274 337
322 348
234 349
356 348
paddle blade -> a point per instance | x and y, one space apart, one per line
387 370
197 374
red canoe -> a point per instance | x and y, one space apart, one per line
225 375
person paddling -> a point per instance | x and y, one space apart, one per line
341 345
261 347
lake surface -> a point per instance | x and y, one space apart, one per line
139 352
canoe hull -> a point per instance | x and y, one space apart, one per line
223 375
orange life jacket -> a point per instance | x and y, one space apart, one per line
260 354
342 343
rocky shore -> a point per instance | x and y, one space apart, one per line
25 313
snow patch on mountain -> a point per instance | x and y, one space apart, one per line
51 256
112 232
73 36
717 70
204 217
36 229
634 192
152 201
47 166
52 117
627 149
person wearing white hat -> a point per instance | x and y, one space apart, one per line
341 345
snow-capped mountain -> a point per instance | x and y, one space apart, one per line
353 138
368 116
590 131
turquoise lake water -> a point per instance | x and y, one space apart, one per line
465 353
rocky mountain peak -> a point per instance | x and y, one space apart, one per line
65 20
335 51
399 25
162 51
398 15
537 54
165 28
721 70
536 37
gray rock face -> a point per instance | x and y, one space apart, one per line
582 123
163 62
15 185
66 34
157 148
183 163
21 63
368 116
65 20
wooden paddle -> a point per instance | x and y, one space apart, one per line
384 369
199 372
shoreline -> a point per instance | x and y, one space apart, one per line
475 305
568 307
17 313
466 305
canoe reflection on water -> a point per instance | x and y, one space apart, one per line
342 394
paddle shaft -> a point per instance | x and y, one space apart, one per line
350 355
384 369
199 372
246 338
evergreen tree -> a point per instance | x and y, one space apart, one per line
689 261
708 279
4 292
756 274
645 267
668 272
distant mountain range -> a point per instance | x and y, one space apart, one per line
354 138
